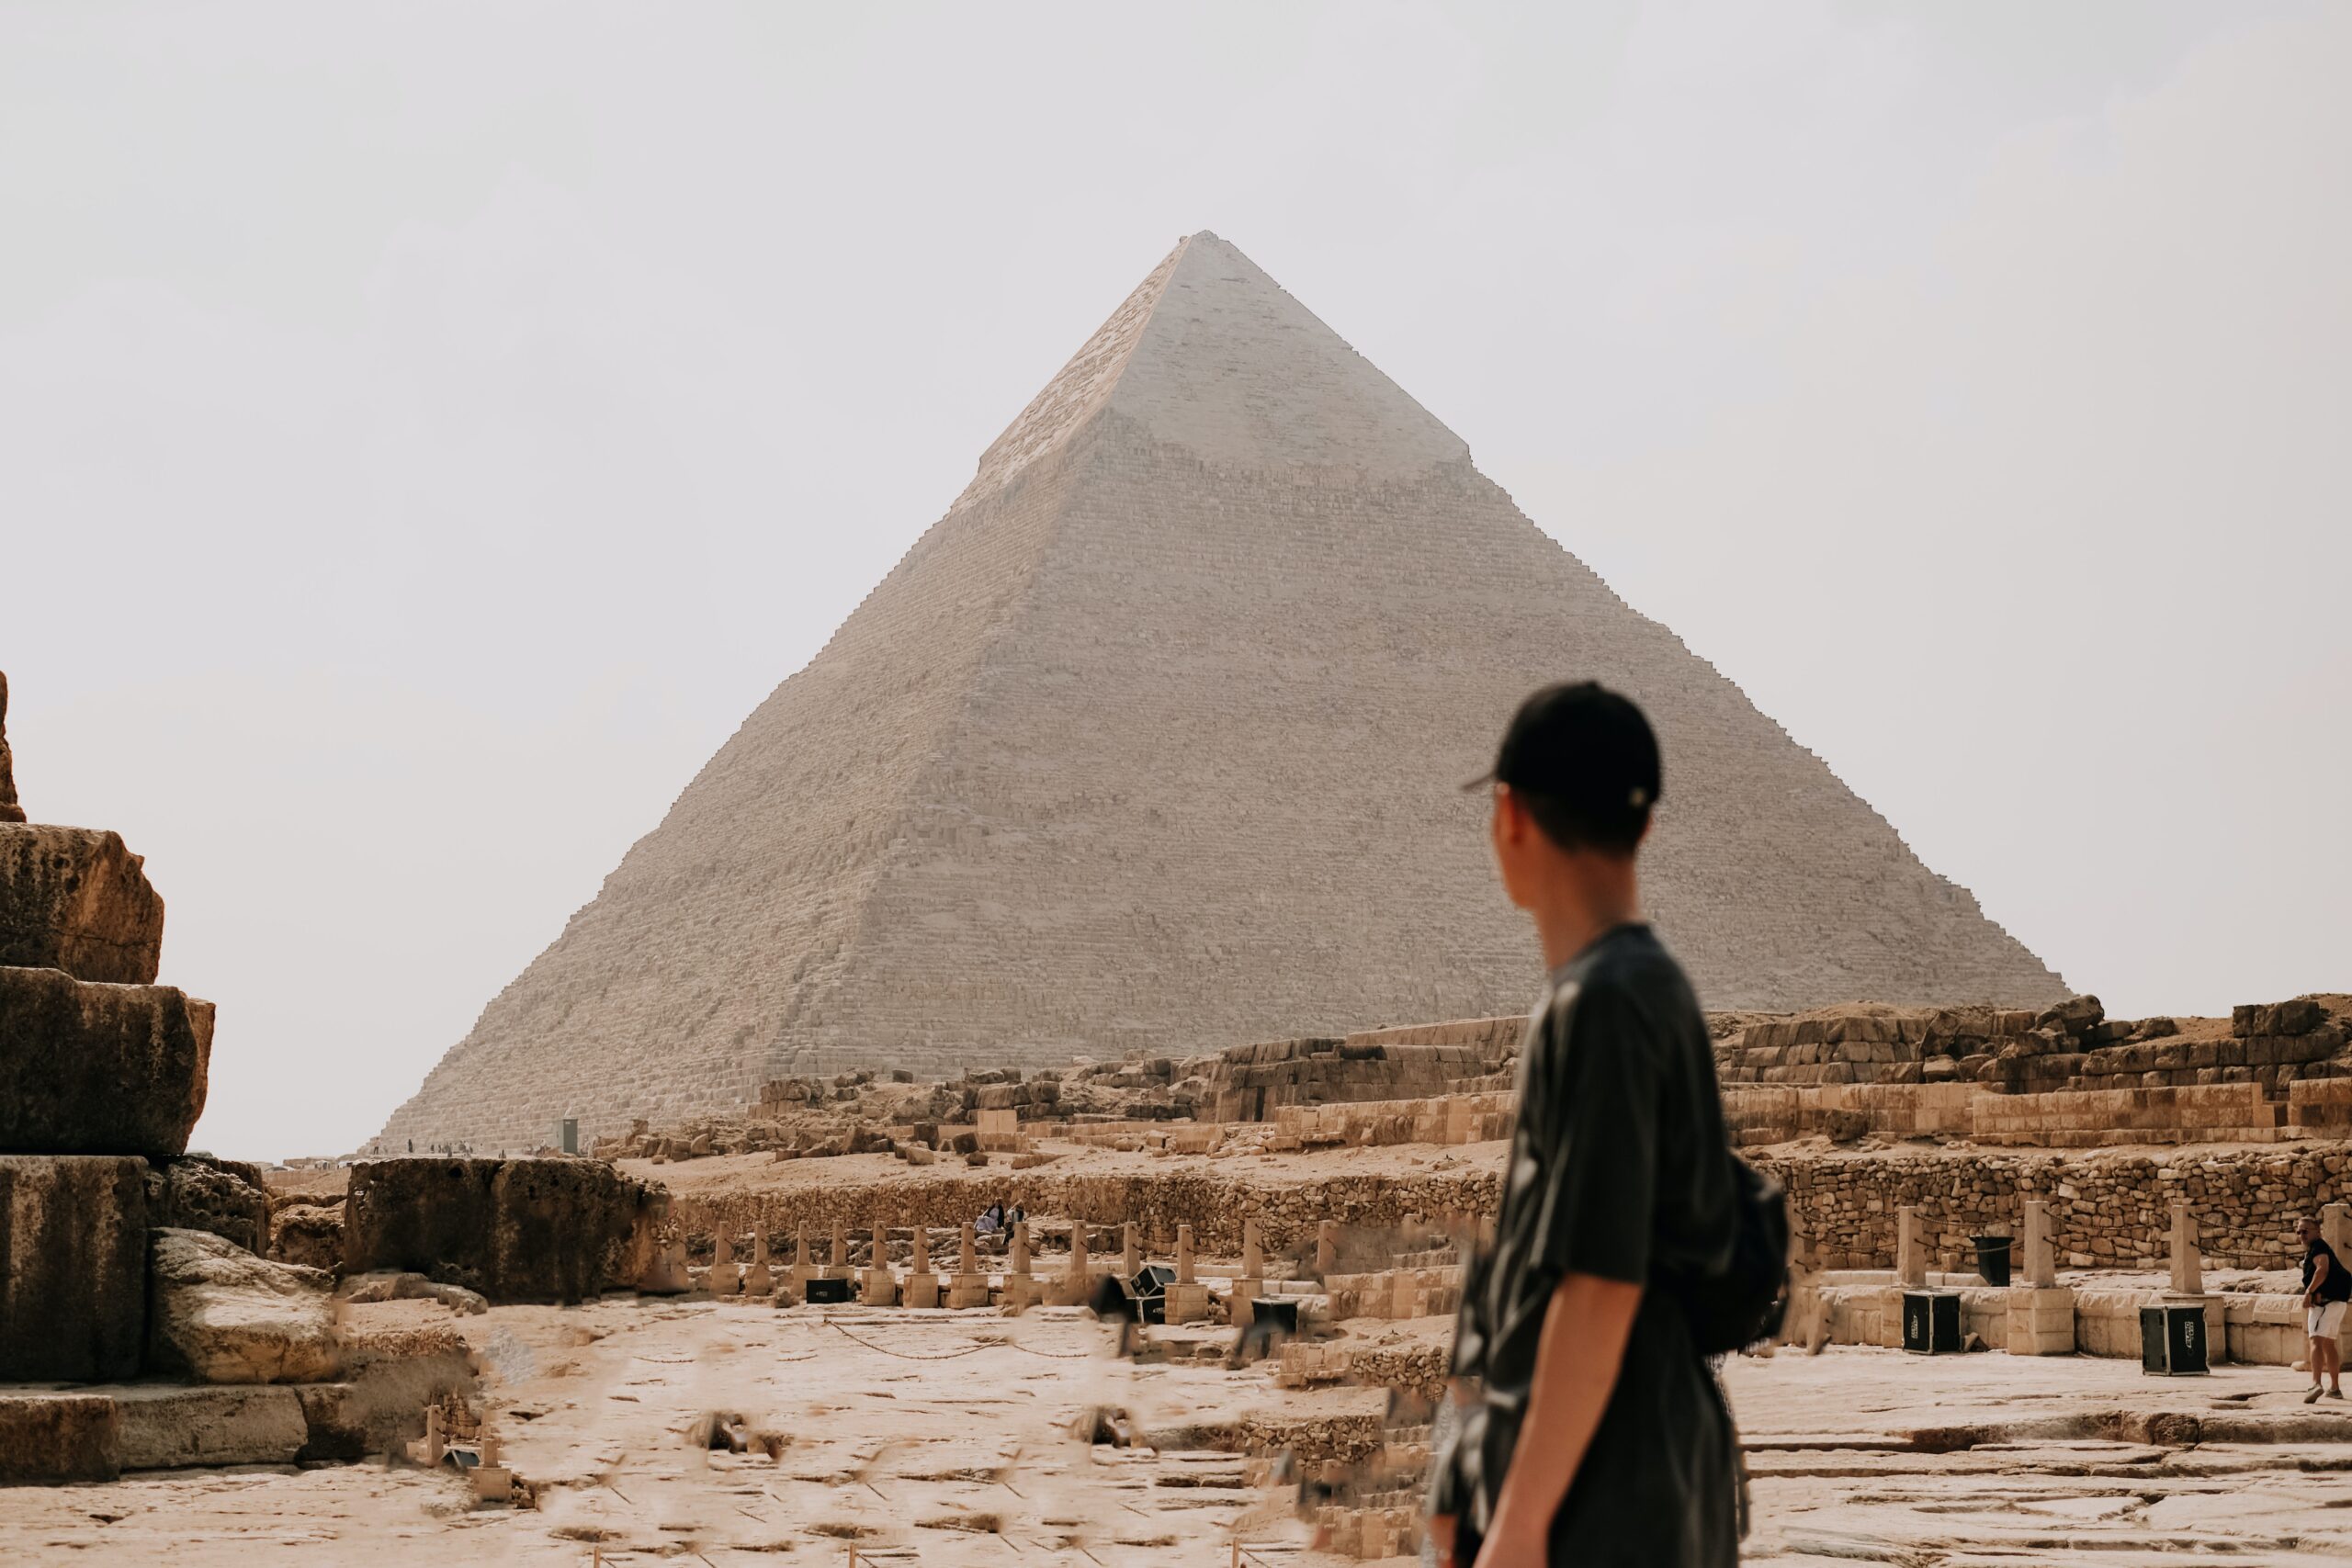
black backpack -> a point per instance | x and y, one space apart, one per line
1747 1301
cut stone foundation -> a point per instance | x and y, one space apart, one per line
72 1266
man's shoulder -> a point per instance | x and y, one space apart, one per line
1632 969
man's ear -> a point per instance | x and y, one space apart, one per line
1511 816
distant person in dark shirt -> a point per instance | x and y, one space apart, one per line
2326 1286
1597 1434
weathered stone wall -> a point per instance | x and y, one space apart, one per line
2214 1114
2107 1210
2071 1046
1212 1203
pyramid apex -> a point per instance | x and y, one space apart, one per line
1211 354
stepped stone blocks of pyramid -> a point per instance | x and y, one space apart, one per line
122 1255
1154 742
102 1076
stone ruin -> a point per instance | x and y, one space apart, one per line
510 1230
140 1326
1086 772
2065 1076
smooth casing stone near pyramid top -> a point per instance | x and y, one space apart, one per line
1155 743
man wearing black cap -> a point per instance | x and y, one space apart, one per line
1599 1435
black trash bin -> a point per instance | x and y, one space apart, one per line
1993 1258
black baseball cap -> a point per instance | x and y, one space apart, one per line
1581 744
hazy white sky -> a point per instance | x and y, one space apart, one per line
426 430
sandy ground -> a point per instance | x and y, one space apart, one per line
943 1439
1837 1447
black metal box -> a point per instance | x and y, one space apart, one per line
830 1293
1931 1322
2172 1340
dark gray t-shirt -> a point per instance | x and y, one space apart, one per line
1620 1167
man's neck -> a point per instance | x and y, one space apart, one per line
1578 913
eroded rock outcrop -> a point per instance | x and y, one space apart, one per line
223 1315
88 1068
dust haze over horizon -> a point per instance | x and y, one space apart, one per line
425 436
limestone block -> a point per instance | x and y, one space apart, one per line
222 1315
99 1070
920 1290
2041 1320
1187 1303
167 1427
53 1437
1890 1318
73 1267
967 1291
225 1197
516 1230
2299 1016
77 900
879 1286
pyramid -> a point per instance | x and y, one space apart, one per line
1154 742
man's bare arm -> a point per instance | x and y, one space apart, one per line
1576 1360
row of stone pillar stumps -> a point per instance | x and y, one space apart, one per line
2041 1311
1017 1285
